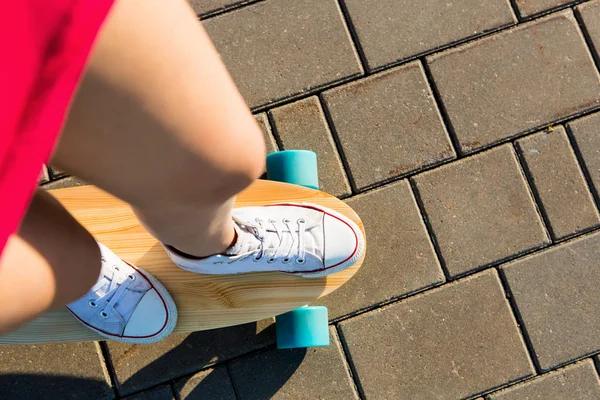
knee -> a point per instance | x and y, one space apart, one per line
221 166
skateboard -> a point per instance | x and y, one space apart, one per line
208 301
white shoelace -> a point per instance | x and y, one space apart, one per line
119 282
271 235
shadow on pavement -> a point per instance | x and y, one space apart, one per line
51 387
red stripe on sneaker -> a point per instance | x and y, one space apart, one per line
334 216
133 337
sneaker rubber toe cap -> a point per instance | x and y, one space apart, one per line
341 242
149 317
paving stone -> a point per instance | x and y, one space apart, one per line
56 371
208 384
481 210
140 366
69 181
587 140
314 373
270 142
556 293
557 179
163 392
530 7
389 31
448 343
56 172
277 48
388 125
578 381
302 125
590 14
517 80
400 258
202 7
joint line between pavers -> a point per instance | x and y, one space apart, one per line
515 9
434 242
441 108
236 391
348 363
226 9
534 193
338 144
351 29
104 355
545 13
519 321
387 302
582 166
587 40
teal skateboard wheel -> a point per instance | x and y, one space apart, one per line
293 166
303 327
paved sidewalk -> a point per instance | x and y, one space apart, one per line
467 136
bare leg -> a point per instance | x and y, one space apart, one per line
51 261
159 123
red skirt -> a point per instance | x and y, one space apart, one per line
45 45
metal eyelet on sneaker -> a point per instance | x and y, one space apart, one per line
116 267
271 260
286 221
301 221
131 276
103 314
286 260
257 259
92 303
272 221
300 261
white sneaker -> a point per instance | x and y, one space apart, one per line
307 240
127 304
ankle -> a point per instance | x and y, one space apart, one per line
200 255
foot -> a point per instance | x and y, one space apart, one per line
300 239
127 304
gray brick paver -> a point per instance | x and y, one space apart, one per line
578 381
389 31
556 294
528 8
388 124
302 125
265 127
207 6
213 383
140 366
514 81
277 48
299 374
400 258
163 392
448 343
590 14
53 372
480 210
559 183
587 140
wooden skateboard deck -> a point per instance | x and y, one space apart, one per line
203 301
